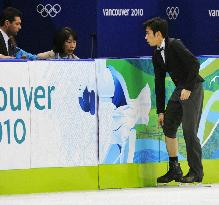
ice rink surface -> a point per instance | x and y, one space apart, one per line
165 195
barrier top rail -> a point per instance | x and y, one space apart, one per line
25 60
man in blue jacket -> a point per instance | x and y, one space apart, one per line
10 25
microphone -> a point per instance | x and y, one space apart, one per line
93 38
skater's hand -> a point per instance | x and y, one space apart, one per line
160 119
185 94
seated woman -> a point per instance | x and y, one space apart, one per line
64 44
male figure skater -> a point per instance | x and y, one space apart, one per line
185 103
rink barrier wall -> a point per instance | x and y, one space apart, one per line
67 175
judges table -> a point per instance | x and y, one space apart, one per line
90 124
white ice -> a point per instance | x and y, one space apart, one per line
183 195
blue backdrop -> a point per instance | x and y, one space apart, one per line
37 32
120 35
196 24
118 25
188 20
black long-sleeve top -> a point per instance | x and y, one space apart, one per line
182 66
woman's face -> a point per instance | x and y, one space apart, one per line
69 46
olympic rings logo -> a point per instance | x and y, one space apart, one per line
48 10
172 12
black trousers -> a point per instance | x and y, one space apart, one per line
188 112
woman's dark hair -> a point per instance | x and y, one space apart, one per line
157 24
9 14
60 37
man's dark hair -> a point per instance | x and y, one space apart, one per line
60 37
9 14
157 24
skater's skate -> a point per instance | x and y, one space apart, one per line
174 174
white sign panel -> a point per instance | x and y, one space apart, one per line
15 102
63 116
